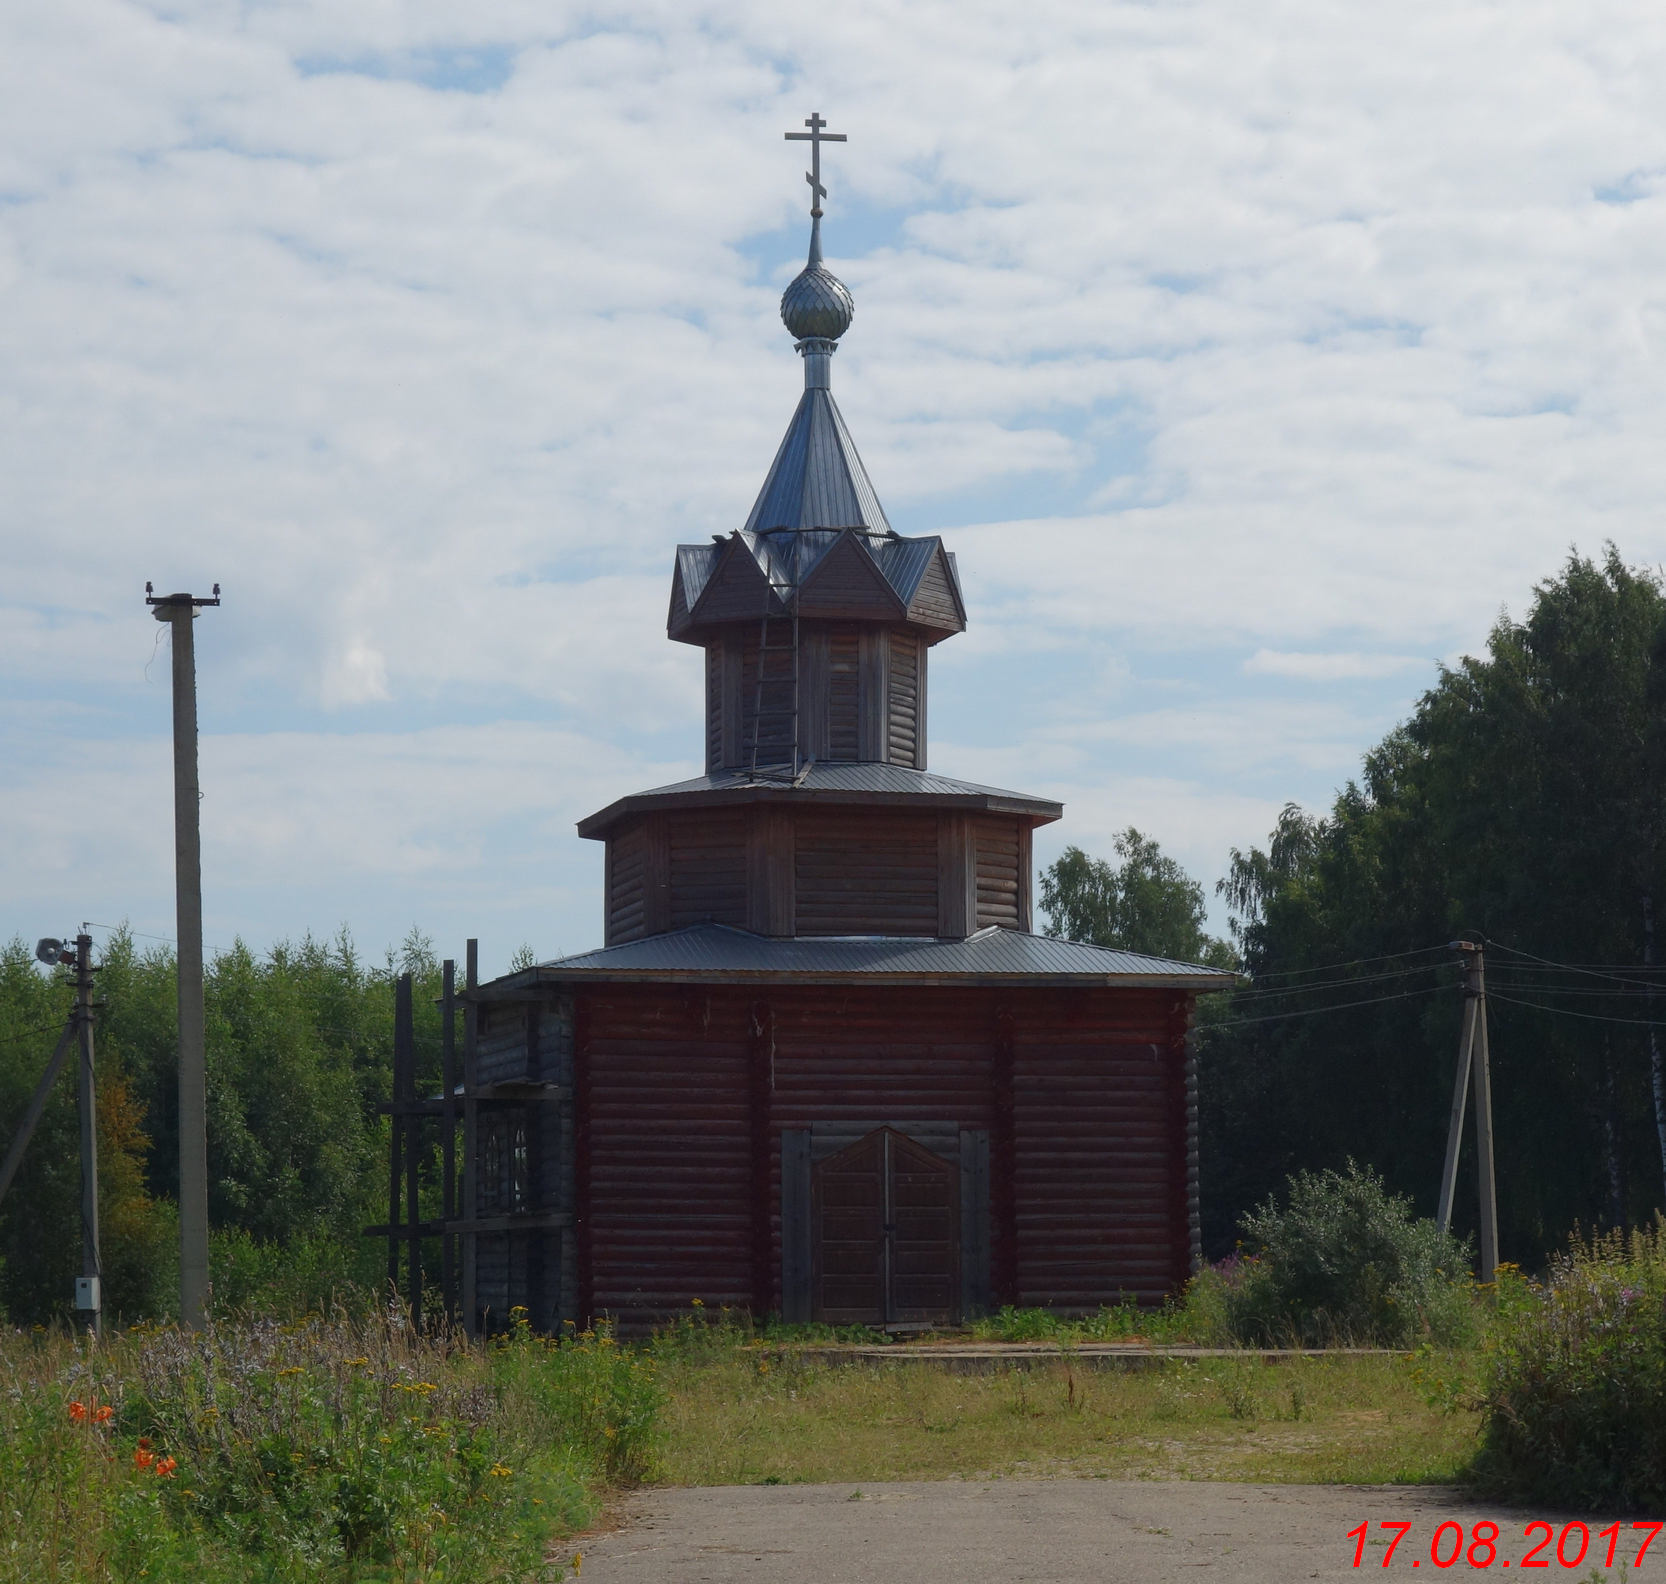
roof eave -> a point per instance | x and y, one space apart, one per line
595 827
552 976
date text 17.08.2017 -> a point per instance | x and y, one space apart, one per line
1479 1548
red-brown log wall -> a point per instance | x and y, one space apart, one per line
1092 1191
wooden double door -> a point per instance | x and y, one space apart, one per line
885 1244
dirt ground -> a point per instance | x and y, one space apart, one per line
1087 1531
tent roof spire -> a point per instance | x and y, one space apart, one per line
817 479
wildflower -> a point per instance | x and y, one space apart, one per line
499 1471
78 1411
102 1413
697 1303
165 1469
143 1458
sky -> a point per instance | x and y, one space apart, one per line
1251 359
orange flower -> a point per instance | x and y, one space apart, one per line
165 1469
143 1458
78 1411
101 1414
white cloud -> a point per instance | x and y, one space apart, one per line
1235 345
1317 666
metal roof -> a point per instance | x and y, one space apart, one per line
787 558
817 479
841 782
717 953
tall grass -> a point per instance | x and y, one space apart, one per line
1574 1384
336 1447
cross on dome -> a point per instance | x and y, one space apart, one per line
815 137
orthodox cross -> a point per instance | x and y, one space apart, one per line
815 137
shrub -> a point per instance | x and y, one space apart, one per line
1574 1393
1346 1261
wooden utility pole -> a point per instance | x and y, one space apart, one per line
180 611
89 1298
1473 1057
448 1134
471 1139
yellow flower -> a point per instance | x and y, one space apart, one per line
498 1471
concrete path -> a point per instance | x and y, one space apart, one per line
1066 1531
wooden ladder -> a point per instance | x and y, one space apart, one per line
777 636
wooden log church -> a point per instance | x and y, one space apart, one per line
823 1066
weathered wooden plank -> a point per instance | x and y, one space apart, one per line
996 843
934 604
708 867
922 690
734 727
795 1225
847 584
866 872
974 1222
815 672
844 693
627 883
875 693
903 683
770 870
714 704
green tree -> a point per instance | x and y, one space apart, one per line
1144 903
1523 802
40 1218
299 1059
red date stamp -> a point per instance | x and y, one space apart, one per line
1570 1547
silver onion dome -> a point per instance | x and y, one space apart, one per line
817 305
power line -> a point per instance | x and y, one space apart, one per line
23 1034
127 929
1589 1017
1341 1006
1357 962
1339 984
1594 973
1597 993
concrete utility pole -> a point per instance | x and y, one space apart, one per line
179 611
89 1296
1473 1055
